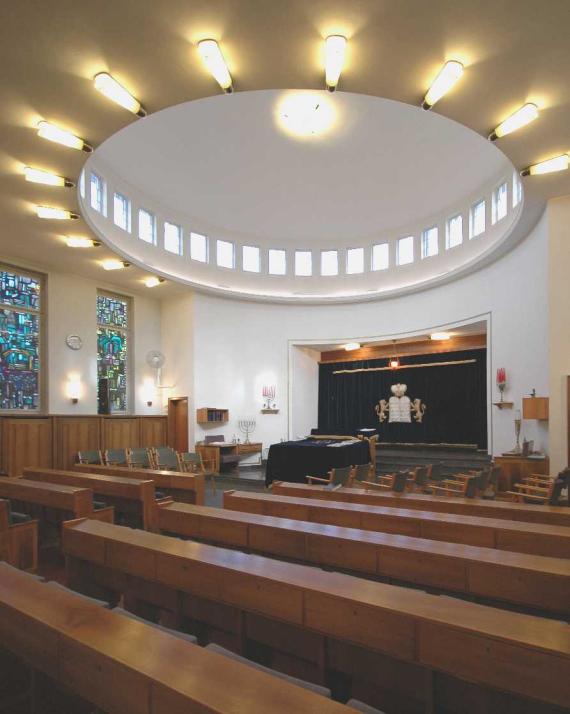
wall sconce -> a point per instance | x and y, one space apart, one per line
148 391
73 388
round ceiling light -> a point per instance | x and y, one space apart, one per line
306 114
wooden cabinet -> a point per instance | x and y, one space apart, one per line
209 415
515 467
535 408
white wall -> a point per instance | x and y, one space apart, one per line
239 346
304 392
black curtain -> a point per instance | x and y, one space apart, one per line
455 397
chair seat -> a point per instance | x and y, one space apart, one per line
17 517
323 691
99 505
180 635
362 707
59 586
159 494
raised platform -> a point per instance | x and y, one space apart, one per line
447 459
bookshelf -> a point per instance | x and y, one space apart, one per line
210 415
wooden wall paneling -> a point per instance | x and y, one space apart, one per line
120 432
26 442
73 434
153 431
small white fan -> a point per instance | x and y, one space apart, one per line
156 360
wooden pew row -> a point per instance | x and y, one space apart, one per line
531 538
73 501
132 498
121 665
337 619
18 541
527 580
183 487
529 513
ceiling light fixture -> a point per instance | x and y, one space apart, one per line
306 114
440 336
55 213
213 58
51 132
394 363
80 242
46 177
523 116
352 346
152 281
448 75
115 91
114 264
558 163
335 49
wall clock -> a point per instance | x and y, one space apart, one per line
74 342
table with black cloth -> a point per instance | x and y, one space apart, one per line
294 460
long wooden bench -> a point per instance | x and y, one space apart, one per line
529 513
358 628
527 580
18 541
532 538
122 665
76 501
183 487
133 499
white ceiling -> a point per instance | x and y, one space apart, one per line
227 164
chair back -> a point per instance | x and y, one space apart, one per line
165 458
494 476
421 477
90 457
341 476
213 437
471 486
400 481
362 472
139 457
561 481
483 480
116 457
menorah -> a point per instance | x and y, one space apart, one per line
246 426
269 396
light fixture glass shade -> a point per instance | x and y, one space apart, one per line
306 114
45 177
213 58
60 136
80 242
440 336
55 213
448 75
152 281
352 346
558 163
335 50
394 362
73 388
112 264
115 91
520 118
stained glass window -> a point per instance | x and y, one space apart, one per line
112 347
20 323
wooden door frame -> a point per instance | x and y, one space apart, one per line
171 429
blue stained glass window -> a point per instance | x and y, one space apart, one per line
112 347
19 341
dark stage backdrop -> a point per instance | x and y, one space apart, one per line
455 397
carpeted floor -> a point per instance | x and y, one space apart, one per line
252 479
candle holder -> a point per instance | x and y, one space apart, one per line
247 427
269 397
518 424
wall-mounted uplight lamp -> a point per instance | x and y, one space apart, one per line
148 391
73 388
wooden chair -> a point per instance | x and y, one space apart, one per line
492 484
116 457
165 458
546 494
194 463
396 482
465 486
362 473
90 457
336 477
140 458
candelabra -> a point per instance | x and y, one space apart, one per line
269 397
247 427
518 423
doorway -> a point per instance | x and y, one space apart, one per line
178 423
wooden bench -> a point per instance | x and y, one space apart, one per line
527 580
75 501
529 513
366 632
18 541
183 487
133 499
121 665
532 538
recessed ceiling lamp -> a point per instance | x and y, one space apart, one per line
306 114
46 177
80 242
115 91
55 213
440 336
213 58
448 75
520 118
558 163
352 346
153 281
114 264
335 49
51 132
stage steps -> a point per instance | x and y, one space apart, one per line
446 460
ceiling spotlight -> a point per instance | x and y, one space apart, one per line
558 163
213 58
440 336
51 132
56 213
448 75
80 242
114 264
152 281
46 177
522 117
114 91
335 48
352 346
